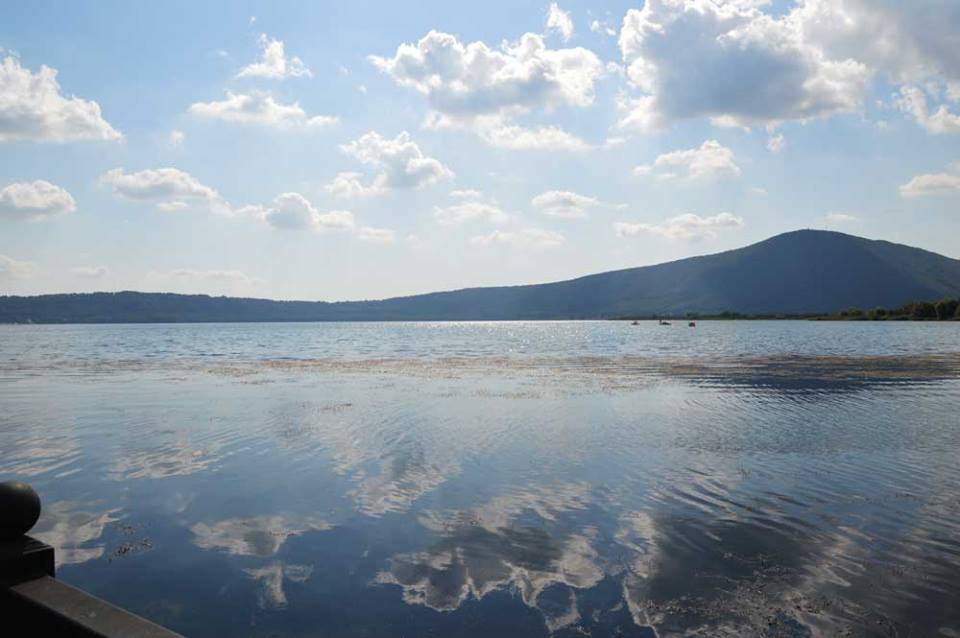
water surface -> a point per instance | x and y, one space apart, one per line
520 479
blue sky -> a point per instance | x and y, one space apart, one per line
362 150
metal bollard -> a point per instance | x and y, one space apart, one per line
22 558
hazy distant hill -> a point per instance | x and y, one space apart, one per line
805 271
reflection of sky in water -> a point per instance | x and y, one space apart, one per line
611 488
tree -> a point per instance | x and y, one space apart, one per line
924 310
946 309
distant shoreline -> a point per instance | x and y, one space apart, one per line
671 318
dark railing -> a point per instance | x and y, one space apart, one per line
32 601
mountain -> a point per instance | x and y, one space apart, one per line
806 271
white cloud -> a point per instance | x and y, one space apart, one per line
222 276
908 41
530 237
730 62
11 268
560 21
912 43
91 272
710 160
348 184
542 138
376 235
841 218
169 189
400 164
33 109
932 184
602 27
912 101
473 79
260 108
564 204
34 200
466 193
476 87
176 138
273 63
474 209
292 211
686 227
775 143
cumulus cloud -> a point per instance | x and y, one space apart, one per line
730 62
911 43
495 132
292 211
775 143
913 102
11 268
841 218
710 160
473 206
559 21
376 235
34 200
908 41
169 189
529 237
686 227
348 184
933 184
195 275
274 63
564 204
473 79
91 272
602 27
399 164
33 109
260 108
480 88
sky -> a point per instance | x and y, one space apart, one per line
364 150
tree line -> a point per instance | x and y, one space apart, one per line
943 310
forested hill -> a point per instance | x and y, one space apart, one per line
804 271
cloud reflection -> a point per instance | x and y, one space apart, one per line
510 542
72 531
36 455
257 536
271 577
179 458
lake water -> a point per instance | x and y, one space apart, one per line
509 479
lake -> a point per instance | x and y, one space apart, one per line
779 478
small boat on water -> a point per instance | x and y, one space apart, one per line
692 324
635 323
664 323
